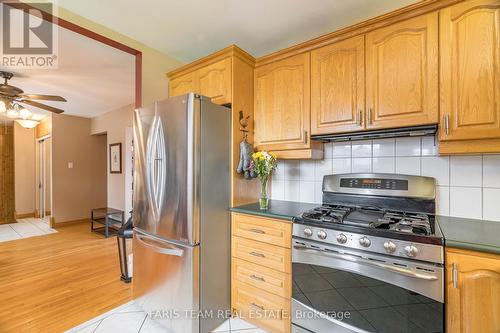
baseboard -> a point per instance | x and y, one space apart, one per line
54 223
25 215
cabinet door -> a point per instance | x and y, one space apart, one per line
473 304
282 104
183 84
338 87
215 81
470 70
402 73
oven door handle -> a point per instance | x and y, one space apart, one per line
355 259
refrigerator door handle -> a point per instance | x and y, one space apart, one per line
156 166
158 246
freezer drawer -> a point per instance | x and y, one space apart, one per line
166 282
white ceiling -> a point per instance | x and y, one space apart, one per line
189 29
93 77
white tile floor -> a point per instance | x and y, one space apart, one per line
25 228
129 318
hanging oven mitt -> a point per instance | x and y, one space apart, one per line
246 150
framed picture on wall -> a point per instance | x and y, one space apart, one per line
115 158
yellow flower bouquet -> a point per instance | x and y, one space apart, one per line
263 164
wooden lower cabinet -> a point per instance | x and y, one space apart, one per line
472 292
261 281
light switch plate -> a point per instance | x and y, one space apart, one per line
70 165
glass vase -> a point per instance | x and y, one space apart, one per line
263 200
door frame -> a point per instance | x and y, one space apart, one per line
95 36
41 200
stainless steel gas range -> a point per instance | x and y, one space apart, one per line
370 258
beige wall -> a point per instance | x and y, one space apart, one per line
155 64
24 169
76 191
114 124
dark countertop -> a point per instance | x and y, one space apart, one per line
470 234
284 210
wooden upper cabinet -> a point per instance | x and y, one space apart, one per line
215 81
338 87
473 301
470 72
402 73
282 104
183 84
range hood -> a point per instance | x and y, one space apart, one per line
378 134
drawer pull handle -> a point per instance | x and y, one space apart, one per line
257 254
257 306
259 278
258 231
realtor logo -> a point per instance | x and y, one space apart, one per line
28 40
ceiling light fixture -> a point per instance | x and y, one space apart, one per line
12 113
3 107
25 113
28 123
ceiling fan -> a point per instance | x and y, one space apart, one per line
11 96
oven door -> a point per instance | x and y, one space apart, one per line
346 290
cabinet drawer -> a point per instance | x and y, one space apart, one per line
265 310
275 282
259 253
262 229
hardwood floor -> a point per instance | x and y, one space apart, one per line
52 283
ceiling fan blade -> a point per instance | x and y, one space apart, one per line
43 106
44 97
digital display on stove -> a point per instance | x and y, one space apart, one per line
371 181
375 183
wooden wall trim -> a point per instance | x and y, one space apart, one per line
230 51
383 20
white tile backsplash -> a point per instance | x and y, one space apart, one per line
466 202
466 171
362 148
437 167
323 168
407 165
307 170
341 149
408 146
384 147
491 171
384 164
341 165
467 186
491 204
306 190
361 164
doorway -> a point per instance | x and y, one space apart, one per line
44 177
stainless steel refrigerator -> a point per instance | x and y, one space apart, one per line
181 244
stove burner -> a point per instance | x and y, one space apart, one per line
371 217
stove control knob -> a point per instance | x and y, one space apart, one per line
411 250
308 232
364 241
341 238
389 247
322 234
